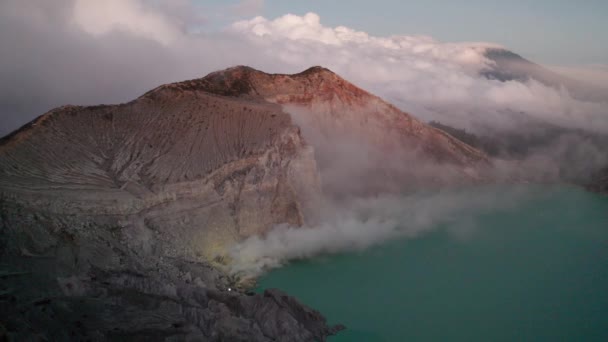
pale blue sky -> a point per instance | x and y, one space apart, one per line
564 32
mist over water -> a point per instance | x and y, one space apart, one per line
490 264
363 205
358 223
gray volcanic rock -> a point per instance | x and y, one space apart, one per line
114 220
66 279
170 163
60 286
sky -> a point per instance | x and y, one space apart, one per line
426 59
560 32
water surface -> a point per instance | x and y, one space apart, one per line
535 271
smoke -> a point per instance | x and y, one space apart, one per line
596 75
566 157
359 154
359 223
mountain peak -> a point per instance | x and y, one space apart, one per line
317 69
245 70
502 54
245 81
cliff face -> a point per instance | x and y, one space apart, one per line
170 163
111 218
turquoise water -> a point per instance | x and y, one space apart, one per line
536 271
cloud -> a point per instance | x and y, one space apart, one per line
89 52
106 52
360 223
431 79
128 16
593 74
298 33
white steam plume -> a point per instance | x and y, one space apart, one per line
360 223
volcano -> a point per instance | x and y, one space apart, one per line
116 219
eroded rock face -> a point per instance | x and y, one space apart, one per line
204 170
111 217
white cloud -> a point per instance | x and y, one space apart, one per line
593 74
431 79
129 16
130 46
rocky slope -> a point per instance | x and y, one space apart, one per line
111 215
114 219
175 160
359 138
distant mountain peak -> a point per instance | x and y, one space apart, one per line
495 53
507 66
